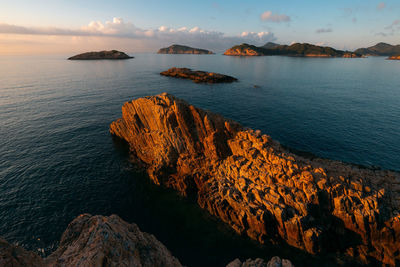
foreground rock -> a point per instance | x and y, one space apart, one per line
96 241
261 189
297 50
380 49
274 262
397 57
182 49
198 76
113 54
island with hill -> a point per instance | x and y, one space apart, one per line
260 188
182 49
198 76
297 50
380 49
112 54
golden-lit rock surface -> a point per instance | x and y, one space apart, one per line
397 57
95 241
260 188
198 76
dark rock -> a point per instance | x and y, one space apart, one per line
198 76
95 241
113 54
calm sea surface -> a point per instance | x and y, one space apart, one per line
58 160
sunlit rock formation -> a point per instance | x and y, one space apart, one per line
198 76
396 57
182 49
113 54
260 188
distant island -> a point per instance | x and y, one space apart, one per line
198 76
113 54
297 49
380 49
182 49
396 57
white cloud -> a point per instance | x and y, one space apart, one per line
155 38
269 16
324 30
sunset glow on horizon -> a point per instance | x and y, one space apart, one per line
145 26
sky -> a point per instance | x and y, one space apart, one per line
134 26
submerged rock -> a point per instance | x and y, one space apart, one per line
198 76
182 49
113 54
96 241
260 188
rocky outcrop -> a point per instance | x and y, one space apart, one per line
95 241
198 76
182 49
113 54
297 50
260 188
274 262
380 49
396 57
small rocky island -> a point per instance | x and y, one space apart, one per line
262 189
198 76
182 49
396 57
297 50
106 241
113 54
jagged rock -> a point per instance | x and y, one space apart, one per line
261 189
95 241
182 49
198 76
274 262
113 54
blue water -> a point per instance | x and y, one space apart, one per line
58 160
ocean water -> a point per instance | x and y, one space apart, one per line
58 160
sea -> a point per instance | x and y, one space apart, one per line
58 159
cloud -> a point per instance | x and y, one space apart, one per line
324 30
118 28
269 16
381 6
